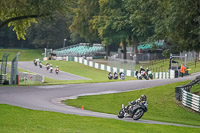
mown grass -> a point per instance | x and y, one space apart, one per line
25 54
195 89
162 105
19 120
94 74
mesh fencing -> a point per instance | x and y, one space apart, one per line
191 56
27 78
154 61
4 63
121 63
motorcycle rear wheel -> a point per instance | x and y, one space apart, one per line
138 114
121 114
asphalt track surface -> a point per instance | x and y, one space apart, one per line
27 65
48 98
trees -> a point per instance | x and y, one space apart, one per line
112 21
84 12
105 22
21 13
177 22
46 34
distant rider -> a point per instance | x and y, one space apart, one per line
40 64
143 100
51 68
122 75
47 63
115 75
141 69
110 76
47 66
57 69
35 62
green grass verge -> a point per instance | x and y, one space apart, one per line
94 74
25 55
195 89
20 120
162 105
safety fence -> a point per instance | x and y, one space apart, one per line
29 78
25 78
158 75
86 61
182 94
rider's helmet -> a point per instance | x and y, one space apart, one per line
143 98
147 68
56 66
51 65
140 67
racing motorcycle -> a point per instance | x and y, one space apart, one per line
122 75
144 75
110 75
57 70
150 74
133 110
40 64
51 69
47 66
141 75
138 75
35 63
115 76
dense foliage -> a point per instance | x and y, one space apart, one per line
110 22
176 22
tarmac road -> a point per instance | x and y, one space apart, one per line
27 65
49 98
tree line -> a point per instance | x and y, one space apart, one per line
45 23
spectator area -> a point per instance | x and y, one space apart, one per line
150 45
78 50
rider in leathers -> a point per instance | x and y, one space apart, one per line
143 100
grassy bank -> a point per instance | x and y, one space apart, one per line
94 74
19 120
162 105
195 89
25 54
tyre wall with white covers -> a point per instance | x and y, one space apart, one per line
182 94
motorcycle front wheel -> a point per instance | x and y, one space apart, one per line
138 114
121 114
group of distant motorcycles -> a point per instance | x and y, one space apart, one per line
49 67
142 74
115 75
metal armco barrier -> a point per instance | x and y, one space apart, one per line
191 100
182 93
